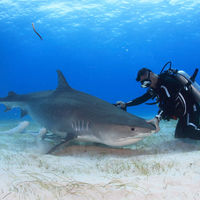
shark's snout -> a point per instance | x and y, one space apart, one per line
120 135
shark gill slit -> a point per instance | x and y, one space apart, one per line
80 125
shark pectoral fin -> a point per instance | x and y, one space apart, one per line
23 113
65 141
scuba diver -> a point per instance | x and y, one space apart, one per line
178 97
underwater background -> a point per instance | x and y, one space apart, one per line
98 45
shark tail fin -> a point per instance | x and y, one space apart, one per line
62 83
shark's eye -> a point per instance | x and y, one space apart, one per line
132 129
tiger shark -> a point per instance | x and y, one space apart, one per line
72 114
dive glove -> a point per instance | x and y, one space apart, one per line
121 104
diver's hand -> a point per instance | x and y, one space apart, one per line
158 117
155 122
121 104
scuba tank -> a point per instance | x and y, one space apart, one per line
188 82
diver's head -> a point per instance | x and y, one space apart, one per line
147 78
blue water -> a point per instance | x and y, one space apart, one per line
98 45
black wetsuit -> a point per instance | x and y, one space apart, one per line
175 101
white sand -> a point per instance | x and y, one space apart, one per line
159 167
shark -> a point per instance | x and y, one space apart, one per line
75 115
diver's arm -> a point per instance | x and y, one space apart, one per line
145 97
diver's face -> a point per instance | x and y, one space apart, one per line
145 80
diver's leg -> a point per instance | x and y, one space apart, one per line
66 140
180 131
193 124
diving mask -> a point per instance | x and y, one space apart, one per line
146 82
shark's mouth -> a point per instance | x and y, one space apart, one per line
115 142
123 141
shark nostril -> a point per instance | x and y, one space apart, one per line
132 129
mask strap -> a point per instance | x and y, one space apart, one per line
148 75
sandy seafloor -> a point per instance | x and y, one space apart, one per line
159 167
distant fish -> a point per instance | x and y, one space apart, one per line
36 32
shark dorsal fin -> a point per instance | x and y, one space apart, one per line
62 83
